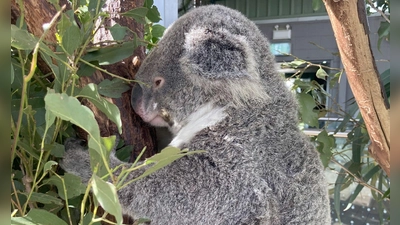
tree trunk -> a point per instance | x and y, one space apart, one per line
349 23
135 131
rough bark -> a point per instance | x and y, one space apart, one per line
135 131
349 23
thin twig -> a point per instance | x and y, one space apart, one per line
378 10
359 180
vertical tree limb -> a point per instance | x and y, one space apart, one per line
349 23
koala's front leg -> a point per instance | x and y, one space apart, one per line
76 159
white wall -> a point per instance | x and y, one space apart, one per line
168 11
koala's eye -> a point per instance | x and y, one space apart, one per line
158 82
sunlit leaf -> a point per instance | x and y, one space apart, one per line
37 216
321 74
164 158
49 165
106 195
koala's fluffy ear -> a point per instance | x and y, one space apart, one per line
215 54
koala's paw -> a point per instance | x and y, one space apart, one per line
76 159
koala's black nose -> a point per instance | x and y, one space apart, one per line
136 96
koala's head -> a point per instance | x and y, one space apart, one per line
211 54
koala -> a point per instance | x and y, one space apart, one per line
212 82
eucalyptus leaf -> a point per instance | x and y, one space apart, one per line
153 14
12 73
71 39
359 187
22 39
113 88
307 104
91 93
73 185
316 4
326 144
157 30
44 198
49 165
321 74
118 32
138 14
112 54
70 109
164 158
106 195
38 216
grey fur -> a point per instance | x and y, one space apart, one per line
213 83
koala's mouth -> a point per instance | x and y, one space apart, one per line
157 121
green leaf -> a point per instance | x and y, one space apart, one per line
109 142
63 23
307 104
38 217
48 165
86 70
164 158
73 185
106 195
385 77
359 187
113 88
321 73
118 32
57 150
293 64
70 109
45 199
112 54
49 118
88 218
383 32
124 153
91 93
157 30
71 39
138 14
12 73
95 6
153 14
326 144
316 5
22 39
